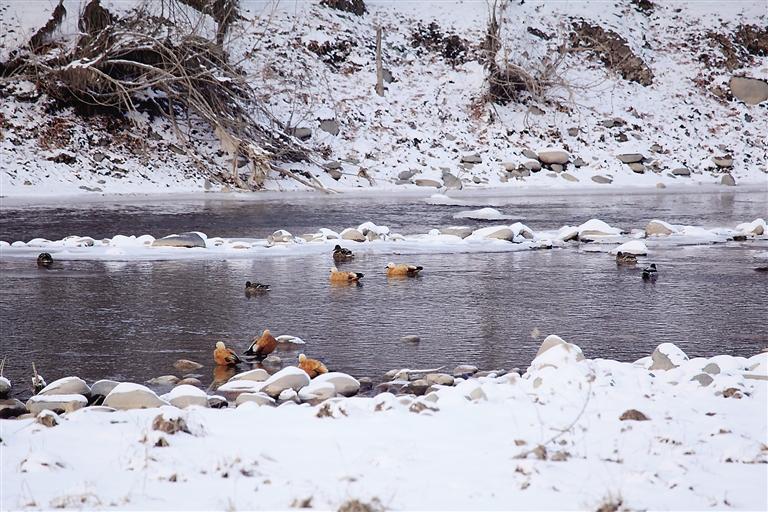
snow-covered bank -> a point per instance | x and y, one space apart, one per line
665 432
369 238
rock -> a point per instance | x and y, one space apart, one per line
579 162
723 162
47 419
442 379
630 158
637 167
5 387
185 395
556 352
289 377
302 133
667 356
502 233
67 386
317 392
595 228
569 177
186 366
657 227
464 370
217 402
660 185
127 395
11 408
257 398
406 175
601 179
353 234
188 240
288 395
424 182
334 173
553 156
749 90
366 384
471 390
165 380
345 385
280 236
272 360
530 154
557 167
703 378
573 132
57 403
636 247
711 368
232 389
330 126
473 158
257 375
417 387
460 231
452 182
633 415
412 338
532 165
332 165
728 180
101 388
732 393
681 171
190 381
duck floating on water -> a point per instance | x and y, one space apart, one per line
263 346
625 258
255 288
402 270
650 273
341 254
338 276
311 367
224 356
44 260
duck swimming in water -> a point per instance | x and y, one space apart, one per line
255 288
44 260
650 273
625 258
224 356
311 367
341 254
338 276
263 346
402 270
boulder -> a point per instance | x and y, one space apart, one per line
557 167
185 365
234 388
532 165
704 379
425 182
553 156
495 233
527 153
330 126
711 368
681 171
190 381
667 356
288 395
473 158
57 403
464 370
189 240
217 402
164 380
471 390
579 162
601 179
417 387
103 387
723 162
460 231
352 234
257 375
407 175
636 247
257 398
128 395
569 177
11 408
728 180
317 392
596 228
442 379
637 167
630 158
658 227
749 90
452 182
185 395
67 386
345 385
289 377
280 236
5 387
411 338
302 133
556 352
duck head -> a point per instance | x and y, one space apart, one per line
390 265
302 358
220 345
334 269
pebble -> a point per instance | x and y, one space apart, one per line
412 338
185 365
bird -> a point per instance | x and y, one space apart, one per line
341 254
312 367
650 273
625 258
263 346
402 270
224 356
338 276
38 382
255 288
44 260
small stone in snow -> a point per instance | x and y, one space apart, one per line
633 415
629 158
601 179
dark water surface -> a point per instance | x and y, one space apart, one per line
132 320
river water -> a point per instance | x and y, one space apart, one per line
132 320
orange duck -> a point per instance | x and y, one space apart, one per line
312 367
402 270
338 276
224 356
263 346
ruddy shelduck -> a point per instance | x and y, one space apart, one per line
263 346
338 276
224 356
402 270
311 367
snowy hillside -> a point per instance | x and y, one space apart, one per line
658 110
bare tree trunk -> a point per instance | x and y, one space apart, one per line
379 68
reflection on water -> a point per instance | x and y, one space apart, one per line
133 320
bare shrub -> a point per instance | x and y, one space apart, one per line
354 6
431 37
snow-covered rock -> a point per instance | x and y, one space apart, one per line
188 240
345 385
67 386
5 387
659 227
185 395
257 374
11 408
280 236
482 214
353 234
289 377
667 356
57 402
556 352
756 227
459 231
636 247
317 392
103 387
254 398
128 395
234 388
595 229
553 156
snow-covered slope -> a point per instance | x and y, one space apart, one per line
314 68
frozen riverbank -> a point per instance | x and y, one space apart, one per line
569 433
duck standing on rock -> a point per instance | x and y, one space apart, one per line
252 289
403 270
338 276
263 346
224 356
650 273
44 260
626 259
341 254
311 367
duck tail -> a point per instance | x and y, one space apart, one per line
359 275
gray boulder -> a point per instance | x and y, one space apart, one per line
554 156
188 240
749 90
474 158
67 386
601 179
424 182
330 126
460 231
127 395
630 158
